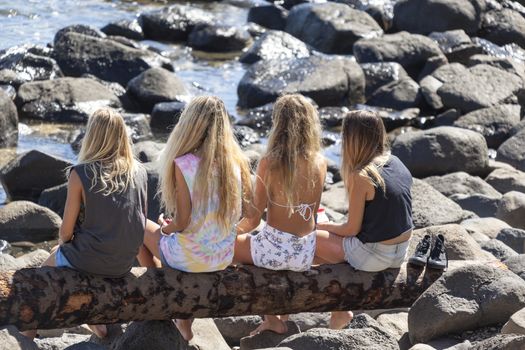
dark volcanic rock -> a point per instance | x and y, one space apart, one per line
331 27
270 16
22 177
382 73
245 135
442 150
139 128
259 118
79 29
28 66
397 95
218 38
275 45
64 99
165 115
332 116
130 29
456 45
156 85
426 16
8 121
54 198
511 151
504 27
173 23
410 50
328 81
106 59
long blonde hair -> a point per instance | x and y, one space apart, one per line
204 128
106 152
295 134
364 147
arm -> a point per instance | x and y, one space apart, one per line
183 200
356 210
255 211
71 209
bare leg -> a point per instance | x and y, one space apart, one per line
243 254
149 252
184 327
340 319
271 323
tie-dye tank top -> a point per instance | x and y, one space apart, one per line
202 246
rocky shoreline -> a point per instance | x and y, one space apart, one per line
447 77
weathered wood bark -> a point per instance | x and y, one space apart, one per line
57 297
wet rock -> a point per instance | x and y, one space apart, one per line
397 95
218 38
268 339
173 23
446 118
245 135
461 183
34 259
64 99
12 339
426 16
431 208
456 45
506 180
485 226
22 177
328 81
392 119
10 78
106 59
499 249
459 244
8 121
235 328
147 151
54 198
270 16
27 221
165 115
504 27
28 66
138 126
494 123
332 116
259 118
156 85
78 29
516 264
501 342
410 50
130 29
381 11
465 299
514 238
442 150
516 324
275 45
511 209
511 151
380 74
331 27
478 87
482 205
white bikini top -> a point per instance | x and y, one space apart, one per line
305 210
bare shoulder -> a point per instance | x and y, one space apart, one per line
74 179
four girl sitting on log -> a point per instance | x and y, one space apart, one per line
205 185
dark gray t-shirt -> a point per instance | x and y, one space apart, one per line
108 239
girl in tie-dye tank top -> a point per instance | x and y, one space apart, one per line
204 184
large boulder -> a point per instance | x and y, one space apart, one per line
27 221
218 38
501 342
499 249
130 29
331 27
8 121
335 198
459 244
78 29
397 95
466 298
165 115
29 66
22 177
516 324
494 123
456 45
516 264
504 26
426 16
235 328
378 74
64 99
511 209
412 51
489 227
506 180
394 322
328 81
156 85
147 151
431 208
12 339
482 205
511 151
514 238
275 45
79 54
479 87
173 23
34 259
270 16
442 150
461 183
54 198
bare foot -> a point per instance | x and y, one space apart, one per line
100 330
271 323
184 327
340 319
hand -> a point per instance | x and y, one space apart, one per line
323 225
163 221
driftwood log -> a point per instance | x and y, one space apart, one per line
51 297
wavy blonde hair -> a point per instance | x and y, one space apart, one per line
106 152
364 147
204 128
295 134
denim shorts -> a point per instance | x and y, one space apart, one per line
373 257
61 260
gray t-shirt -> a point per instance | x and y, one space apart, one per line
108 239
